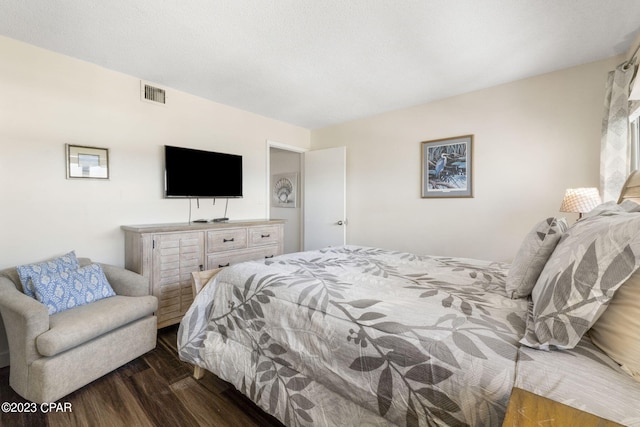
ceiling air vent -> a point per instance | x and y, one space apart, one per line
152 94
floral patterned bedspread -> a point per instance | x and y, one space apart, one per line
361 336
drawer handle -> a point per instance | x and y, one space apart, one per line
227 240
265 235
269 256
226 265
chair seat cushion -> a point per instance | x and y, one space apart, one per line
71 328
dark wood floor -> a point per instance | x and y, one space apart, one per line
156 389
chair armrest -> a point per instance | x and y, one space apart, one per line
126 282
24 319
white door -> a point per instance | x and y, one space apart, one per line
325 198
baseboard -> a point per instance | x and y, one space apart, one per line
4 359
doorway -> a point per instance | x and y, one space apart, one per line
286 163
318 218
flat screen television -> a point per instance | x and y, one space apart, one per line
191 173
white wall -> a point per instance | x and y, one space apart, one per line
532 139
48 100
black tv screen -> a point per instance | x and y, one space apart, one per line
199 173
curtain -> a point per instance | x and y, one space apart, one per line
614 145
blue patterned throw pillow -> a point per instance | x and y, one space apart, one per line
61 291
28 273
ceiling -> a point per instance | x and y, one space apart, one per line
315 63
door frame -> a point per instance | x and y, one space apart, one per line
274 144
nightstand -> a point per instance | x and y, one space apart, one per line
529 409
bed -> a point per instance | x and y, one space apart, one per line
365 336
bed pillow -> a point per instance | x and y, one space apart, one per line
63 290
28 272
532 256
612 207
617 332
592 260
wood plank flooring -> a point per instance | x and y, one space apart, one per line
156 389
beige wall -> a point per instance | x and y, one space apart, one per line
48 100
532 139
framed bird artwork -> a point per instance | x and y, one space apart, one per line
447 167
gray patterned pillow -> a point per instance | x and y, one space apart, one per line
592 260
532 256
612 207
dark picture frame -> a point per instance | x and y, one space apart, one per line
447 167
87 162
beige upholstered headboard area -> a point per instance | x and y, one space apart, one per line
631 188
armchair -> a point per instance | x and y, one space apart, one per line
54 355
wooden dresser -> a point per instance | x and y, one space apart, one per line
168 253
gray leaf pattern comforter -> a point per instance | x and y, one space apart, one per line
361 336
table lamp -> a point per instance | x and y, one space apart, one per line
580 200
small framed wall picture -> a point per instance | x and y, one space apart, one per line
87 162
447 167
284 190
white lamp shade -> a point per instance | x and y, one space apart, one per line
580 200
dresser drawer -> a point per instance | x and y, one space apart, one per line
227 259
269 252
226 240
259 236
